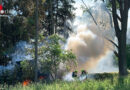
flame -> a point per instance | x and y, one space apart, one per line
41 77
26 82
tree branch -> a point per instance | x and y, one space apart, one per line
89 12
98 26
115 52
118 17
112 42
115 19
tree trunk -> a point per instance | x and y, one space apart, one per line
52 18
36 43
56 19
122 55
121 32
122 38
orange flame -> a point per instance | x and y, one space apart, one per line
26 82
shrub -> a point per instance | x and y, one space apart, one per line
27 70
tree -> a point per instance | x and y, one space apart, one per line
27 69
13 29
51 55
36 43
19 26
121 31
57 12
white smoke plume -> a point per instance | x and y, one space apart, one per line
88 41
20 52
128 32
68 77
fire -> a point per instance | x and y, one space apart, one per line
26 82
41 77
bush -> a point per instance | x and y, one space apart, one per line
104 75
23 71
27 70
8 77
51 55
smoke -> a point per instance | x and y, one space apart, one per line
88 41
105 66
20 52
128 32
68 77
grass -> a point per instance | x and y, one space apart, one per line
89 84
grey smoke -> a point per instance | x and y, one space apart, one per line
88 41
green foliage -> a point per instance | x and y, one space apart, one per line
17 27
10 76
5 76
52 55
58 11
21 25
102 76
21 72
27 70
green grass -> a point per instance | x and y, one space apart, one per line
89 84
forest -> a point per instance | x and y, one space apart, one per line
65 44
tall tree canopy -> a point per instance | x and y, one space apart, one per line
20 25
